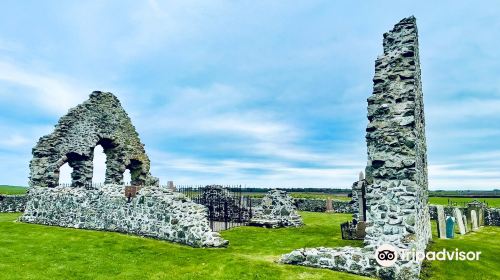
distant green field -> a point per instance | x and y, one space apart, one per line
492 202
12 189
309 195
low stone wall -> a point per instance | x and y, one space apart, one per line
315 205
492 217
277 209
153 213
12 203
349 259
448 211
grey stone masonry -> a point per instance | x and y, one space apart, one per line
100 120
492 216
396 172
153 212
397 191
12 203
277 209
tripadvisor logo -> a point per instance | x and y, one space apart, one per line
386 255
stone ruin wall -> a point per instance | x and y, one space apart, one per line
153 212
277 209
397 193
396 173
12 203
100 120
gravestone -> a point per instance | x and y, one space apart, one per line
465 223
474 220
329 205
459 220
441 222
481 217
171 186
450 227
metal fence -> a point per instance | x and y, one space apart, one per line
227 206
463 203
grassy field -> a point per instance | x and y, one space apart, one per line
41 252
12 189
487 240
492 202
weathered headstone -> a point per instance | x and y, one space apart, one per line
171 186
459 220
481 217
473 215
450 227
441 223
329 205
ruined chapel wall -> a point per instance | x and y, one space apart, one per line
397 163
100 120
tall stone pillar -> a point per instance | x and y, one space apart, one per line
397 155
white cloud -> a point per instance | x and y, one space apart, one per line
51 92
14 141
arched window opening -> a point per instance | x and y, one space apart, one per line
99 169
127 177
65 172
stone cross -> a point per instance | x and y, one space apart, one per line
473 216
441 224
450 227
459 220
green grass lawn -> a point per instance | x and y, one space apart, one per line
40 252
12 189
487 240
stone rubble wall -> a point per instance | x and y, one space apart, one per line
100 120
396 173
152 213
315 205
12 203
18 203
492 217
397 193
348 259
276 209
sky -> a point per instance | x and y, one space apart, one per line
257 93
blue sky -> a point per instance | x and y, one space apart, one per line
263 94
